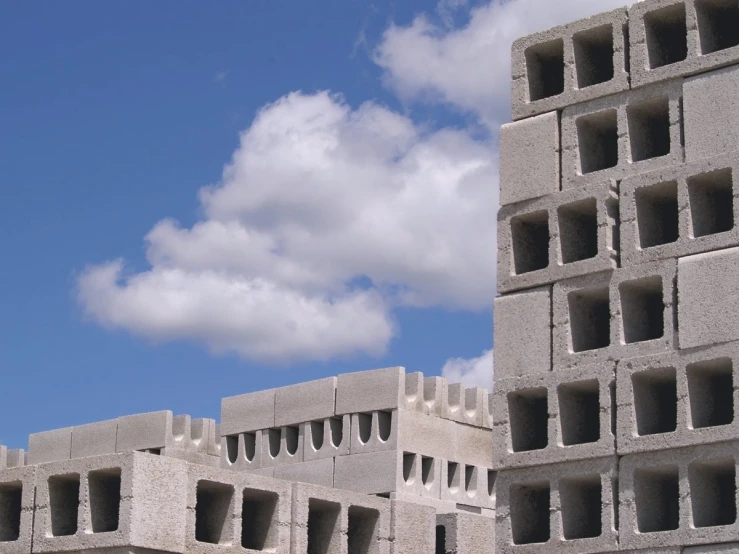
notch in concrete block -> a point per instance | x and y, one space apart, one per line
64 501
711 392
529 506
597 137
579 412
666 34
327 438
11 504
258 510
530 241
590 319
580 501
655 401
718 21
713 492
242 451
529 419
545 69
657 214
657 498
214 513
104 490
711 202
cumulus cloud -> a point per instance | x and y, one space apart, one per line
326 219
473 372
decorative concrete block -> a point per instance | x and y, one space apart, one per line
467 485
248 412
17 494
242 452
316 472
282 445
50 446
305 402
326 438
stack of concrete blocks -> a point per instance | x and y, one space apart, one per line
616 403
383 432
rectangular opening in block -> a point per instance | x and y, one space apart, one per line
324 533
657 498
711 200
362 535
579 412
597 137
545 69
232 448
667 35
530 241
336 428
491 484
274 437
718 21
590 319
409 468
258 511
580 499
213 512
642 309
529 505
711 393
11 497
105 499
578 230
440 540
655 400
657 214
594 56
470 479
316 429
713 492
427 471
528 414
453 477
292 439
64 501
649 128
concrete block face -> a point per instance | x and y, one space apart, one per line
558 236
467 485
248 412
677 399
529 158
368 391
468 405
554 417
621 135
413 528
282 445
316 472
678 497
50 446
17 496
709 298
523 333
569 64
94 439
729 548
243 451
381 473
374 431
620 314
468 533
679 211
326 438
154 430
305 401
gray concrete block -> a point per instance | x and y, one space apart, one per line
17 495
440 506
326 438
282 445
16 458
468 405
679 211
624 313
623 134
153 430
242 452
382 473
191 456
305 402
554 417
435 395
677 399
467 485
729 548
248 412
708 310
50 446
679 497
529 158
569 64
378 389
559 236
94 439
316 472
412 528
205 437
523 333
564 507
468 533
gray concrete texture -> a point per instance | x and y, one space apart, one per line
468 533
14 457
413 528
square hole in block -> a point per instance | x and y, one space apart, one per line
11 496
362 533
529 505
642 309
649 128
409 467
590 319
655 400
713 492
258 511
580 499
657 214
667 35
657 498
597 137
545 69
214 513
324 535
711 199
105 499
530 241
594 56
579 412
718 21
64 501
528 414
578 230
711 392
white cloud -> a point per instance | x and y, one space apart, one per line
477 372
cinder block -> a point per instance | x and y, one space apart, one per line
316 472
282 445
621 135
679 211
679 398
17 495
326 438
529 158
730 548
50 446
560 507
677 38
242 452
132 499
619 314
468 405
467 485
387 471
679 497
248 412
94 439
305 402
558 236
554 417
569 64
709 298
412 528
468 533
523 333
378 389
153 431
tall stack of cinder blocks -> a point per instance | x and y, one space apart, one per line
617 325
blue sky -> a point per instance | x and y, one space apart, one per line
204 200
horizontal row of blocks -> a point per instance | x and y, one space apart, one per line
611 52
